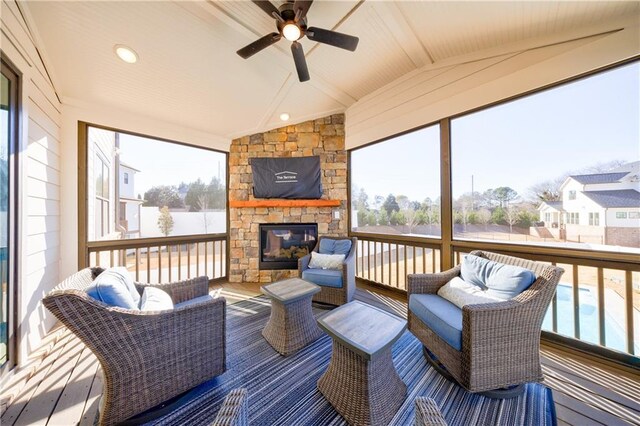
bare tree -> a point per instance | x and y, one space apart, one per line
204 206
511 215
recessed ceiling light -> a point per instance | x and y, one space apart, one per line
125 53
284 116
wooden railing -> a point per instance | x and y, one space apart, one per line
597 301
387 259
160 260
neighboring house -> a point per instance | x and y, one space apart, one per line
129 213
601 208
113 210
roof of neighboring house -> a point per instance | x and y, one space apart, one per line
123 164
599 178
556 205
615 198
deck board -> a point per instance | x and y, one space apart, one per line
65 387
41 405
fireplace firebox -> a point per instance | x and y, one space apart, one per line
282 244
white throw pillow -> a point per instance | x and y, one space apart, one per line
460 293
326 261
154 299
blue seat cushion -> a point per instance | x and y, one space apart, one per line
500 280
441 316
115 287
195 300
331 246
323 277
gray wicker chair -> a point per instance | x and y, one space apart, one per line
428 413
500 341
146 357
234 410
335 295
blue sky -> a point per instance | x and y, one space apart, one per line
164 163
566 129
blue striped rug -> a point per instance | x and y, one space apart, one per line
282 390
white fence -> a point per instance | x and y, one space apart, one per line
184 223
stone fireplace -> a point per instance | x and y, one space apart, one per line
323 137
281 245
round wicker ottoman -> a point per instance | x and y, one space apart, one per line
361 382
291 325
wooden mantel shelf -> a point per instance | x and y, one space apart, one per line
277 202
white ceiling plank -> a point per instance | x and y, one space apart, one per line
277 100
276 56
403 32
190 76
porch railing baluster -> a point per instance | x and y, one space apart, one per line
628 298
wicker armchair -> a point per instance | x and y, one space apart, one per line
428 413
500 341
147 357
234 411
335 295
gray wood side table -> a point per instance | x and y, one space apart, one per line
361 381
291 325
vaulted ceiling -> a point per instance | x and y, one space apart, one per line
189 74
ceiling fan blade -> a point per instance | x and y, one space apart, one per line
267 6
334 38
301 62
303 6
262 43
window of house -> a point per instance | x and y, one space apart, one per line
509 158
547 217
102 195
634 215
594 219
573 218
395 185
179 190
621 215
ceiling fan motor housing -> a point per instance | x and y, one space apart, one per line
288 15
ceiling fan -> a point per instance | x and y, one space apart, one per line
291 23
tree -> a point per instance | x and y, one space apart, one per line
504 195
390 204
383 217
362 218
361 202
377 201
165 221
217 193
195 197
403 202
548 190
484 217
526 219
498 216
511 216
372 220
397 218
163 195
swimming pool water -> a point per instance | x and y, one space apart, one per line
588 313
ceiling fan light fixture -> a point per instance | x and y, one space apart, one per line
291 31
126 53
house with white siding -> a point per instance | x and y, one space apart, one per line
597 208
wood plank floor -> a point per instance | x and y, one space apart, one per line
62 383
